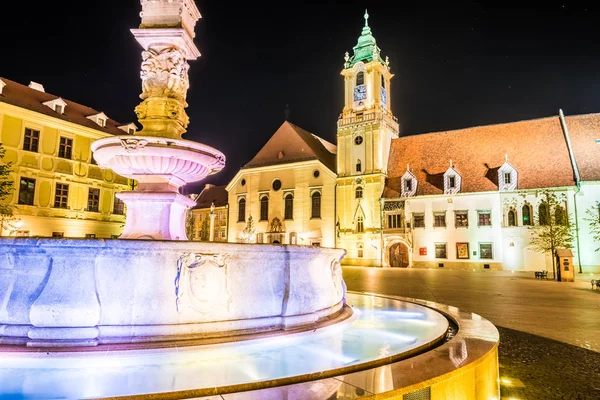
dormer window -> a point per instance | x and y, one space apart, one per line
130 128
409 185
2 84
99 119
507 177
452 181
58 105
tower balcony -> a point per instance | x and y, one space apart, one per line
370 117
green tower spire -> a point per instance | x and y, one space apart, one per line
366 50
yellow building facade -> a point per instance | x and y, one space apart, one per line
289 190
59 191
210 215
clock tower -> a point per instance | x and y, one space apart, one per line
365 131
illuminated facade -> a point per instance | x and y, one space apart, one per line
59 189
209 215
289 190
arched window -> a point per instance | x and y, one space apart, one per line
512 218
359 192
289 206
360 224
316 205
543 213
358 166
360 78
242 210
526 210
264 208
559 216
383 81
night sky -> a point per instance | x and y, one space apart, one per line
455 66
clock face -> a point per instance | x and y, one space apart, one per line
383 96
360 92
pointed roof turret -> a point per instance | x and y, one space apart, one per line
366 49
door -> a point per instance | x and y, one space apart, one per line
399 255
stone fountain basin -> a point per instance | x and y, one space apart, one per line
132 156
70 292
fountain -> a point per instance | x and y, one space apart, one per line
152 313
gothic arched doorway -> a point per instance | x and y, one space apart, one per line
399 256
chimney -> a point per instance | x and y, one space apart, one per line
37 86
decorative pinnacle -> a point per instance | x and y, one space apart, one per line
366 18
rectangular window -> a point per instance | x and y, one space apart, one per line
58 235
440 250
394 221
418 220
360 253
93 199
118 206
439 219
408 185
452 182
65 147
461 219
293 238
486 251
507 179
316 205
61 195
31 140
26 191
59 108
462 251
485 218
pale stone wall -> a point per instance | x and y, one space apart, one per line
297 179
41 218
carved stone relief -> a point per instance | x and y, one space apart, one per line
164 73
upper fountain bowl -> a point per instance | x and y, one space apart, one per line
151 160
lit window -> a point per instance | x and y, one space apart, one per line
486 251
264 208
359 192
93 199
316 205
289 206
439 219
485 218
31 140
394 221
242 210
440 250
26 191
418 220
65 148
461 219
61 195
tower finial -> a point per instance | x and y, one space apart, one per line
366 18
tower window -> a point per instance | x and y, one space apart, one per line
359 192
358 166
360 225
360 78
383 81
358 140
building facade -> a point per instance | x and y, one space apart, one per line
208 220
288 189
59 189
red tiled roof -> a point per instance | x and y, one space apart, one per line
211 194
291 143
536 149
23 96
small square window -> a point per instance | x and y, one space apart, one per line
440 250
439 219
486 251
485 218
418 220
59 108
461 219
